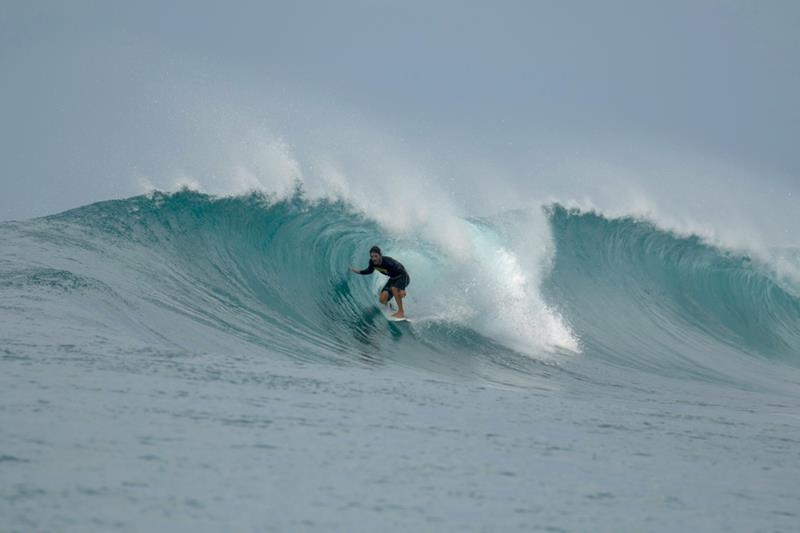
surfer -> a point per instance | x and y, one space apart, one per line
398 278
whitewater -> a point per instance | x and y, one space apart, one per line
189 362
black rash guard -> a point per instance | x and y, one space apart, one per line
390 267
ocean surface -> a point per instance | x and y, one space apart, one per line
182 362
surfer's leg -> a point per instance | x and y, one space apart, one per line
398 296
398 287
386 293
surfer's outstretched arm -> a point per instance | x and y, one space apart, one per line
369 270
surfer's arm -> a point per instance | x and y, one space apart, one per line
369 270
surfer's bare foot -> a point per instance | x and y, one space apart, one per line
398 315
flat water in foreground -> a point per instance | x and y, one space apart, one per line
181 442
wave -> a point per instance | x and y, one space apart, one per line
186 271
641 296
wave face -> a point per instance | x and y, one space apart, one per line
650 299
185 271
188 272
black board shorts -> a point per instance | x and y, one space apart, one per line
401 282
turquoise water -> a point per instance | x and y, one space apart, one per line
183 362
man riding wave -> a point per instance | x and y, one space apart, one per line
398 278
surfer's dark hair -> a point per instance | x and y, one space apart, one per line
375 250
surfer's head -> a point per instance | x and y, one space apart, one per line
375 255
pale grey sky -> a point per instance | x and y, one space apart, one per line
98 97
